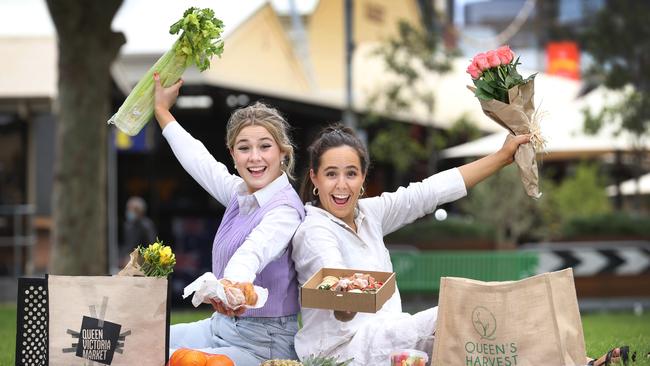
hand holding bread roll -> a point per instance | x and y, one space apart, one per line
249 292
239 293
210 290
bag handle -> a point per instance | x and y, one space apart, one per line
435 355
556 327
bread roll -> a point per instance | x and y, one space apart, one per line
238 294
234 297
248 291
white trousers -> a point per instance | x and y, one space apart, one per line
373 342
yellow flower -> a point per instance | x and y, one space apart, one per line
147 255
159 260
154 247
165 254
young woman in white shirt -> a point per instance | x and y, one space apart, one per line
252 242
343 231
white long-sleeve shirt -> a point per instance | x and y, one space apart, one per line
323 240
268 240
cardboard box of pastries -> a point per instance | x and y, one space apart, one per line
366 302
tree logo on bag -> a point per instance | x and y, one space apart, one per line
98 340
484 322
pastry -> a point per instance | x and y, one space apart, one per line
328 282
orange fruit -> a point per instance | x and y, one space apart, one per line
190 358
194 358
219 360
176 356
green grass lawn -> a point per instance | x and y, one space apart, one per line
606 331
602 332
189 315
7 334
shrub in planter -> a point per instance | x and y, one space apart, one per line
607 226
453 233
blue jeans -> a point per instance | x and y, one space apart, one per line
247 341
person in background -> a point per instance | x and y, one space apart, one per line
138 228
252 242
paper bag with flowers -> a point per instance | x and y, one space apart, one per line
507 98
113 320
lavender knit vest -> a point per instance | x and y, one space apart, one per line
279 276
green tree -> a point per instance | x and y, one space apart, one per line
619 42
501 202
582 195
416 51
87 46
579 196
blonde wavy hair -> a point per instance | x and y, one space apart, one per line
259 114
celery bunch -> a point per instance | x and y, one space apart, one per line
199 41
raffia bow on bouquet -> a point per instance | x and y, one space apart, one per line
507 98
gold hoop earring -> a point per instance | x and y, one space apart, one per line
362 192
315 191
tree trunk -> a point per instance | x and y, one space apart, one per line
87 47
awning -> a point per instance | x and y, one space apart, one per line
29 67
632 186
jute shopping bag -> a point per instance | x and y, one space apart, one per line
102 320
534 321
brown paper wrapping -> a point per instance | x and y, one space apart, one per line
134 267
518 118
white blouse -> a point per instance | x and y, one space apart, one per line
271 236
323 240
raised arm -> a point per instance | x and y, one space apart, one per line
164 100
478 170
405 205
197 161
396 209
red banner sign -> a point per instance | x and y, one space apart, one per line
563 59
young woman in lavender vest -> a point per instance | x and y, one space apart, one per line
252 242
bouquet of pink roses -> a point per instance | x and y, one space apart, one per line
507 98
